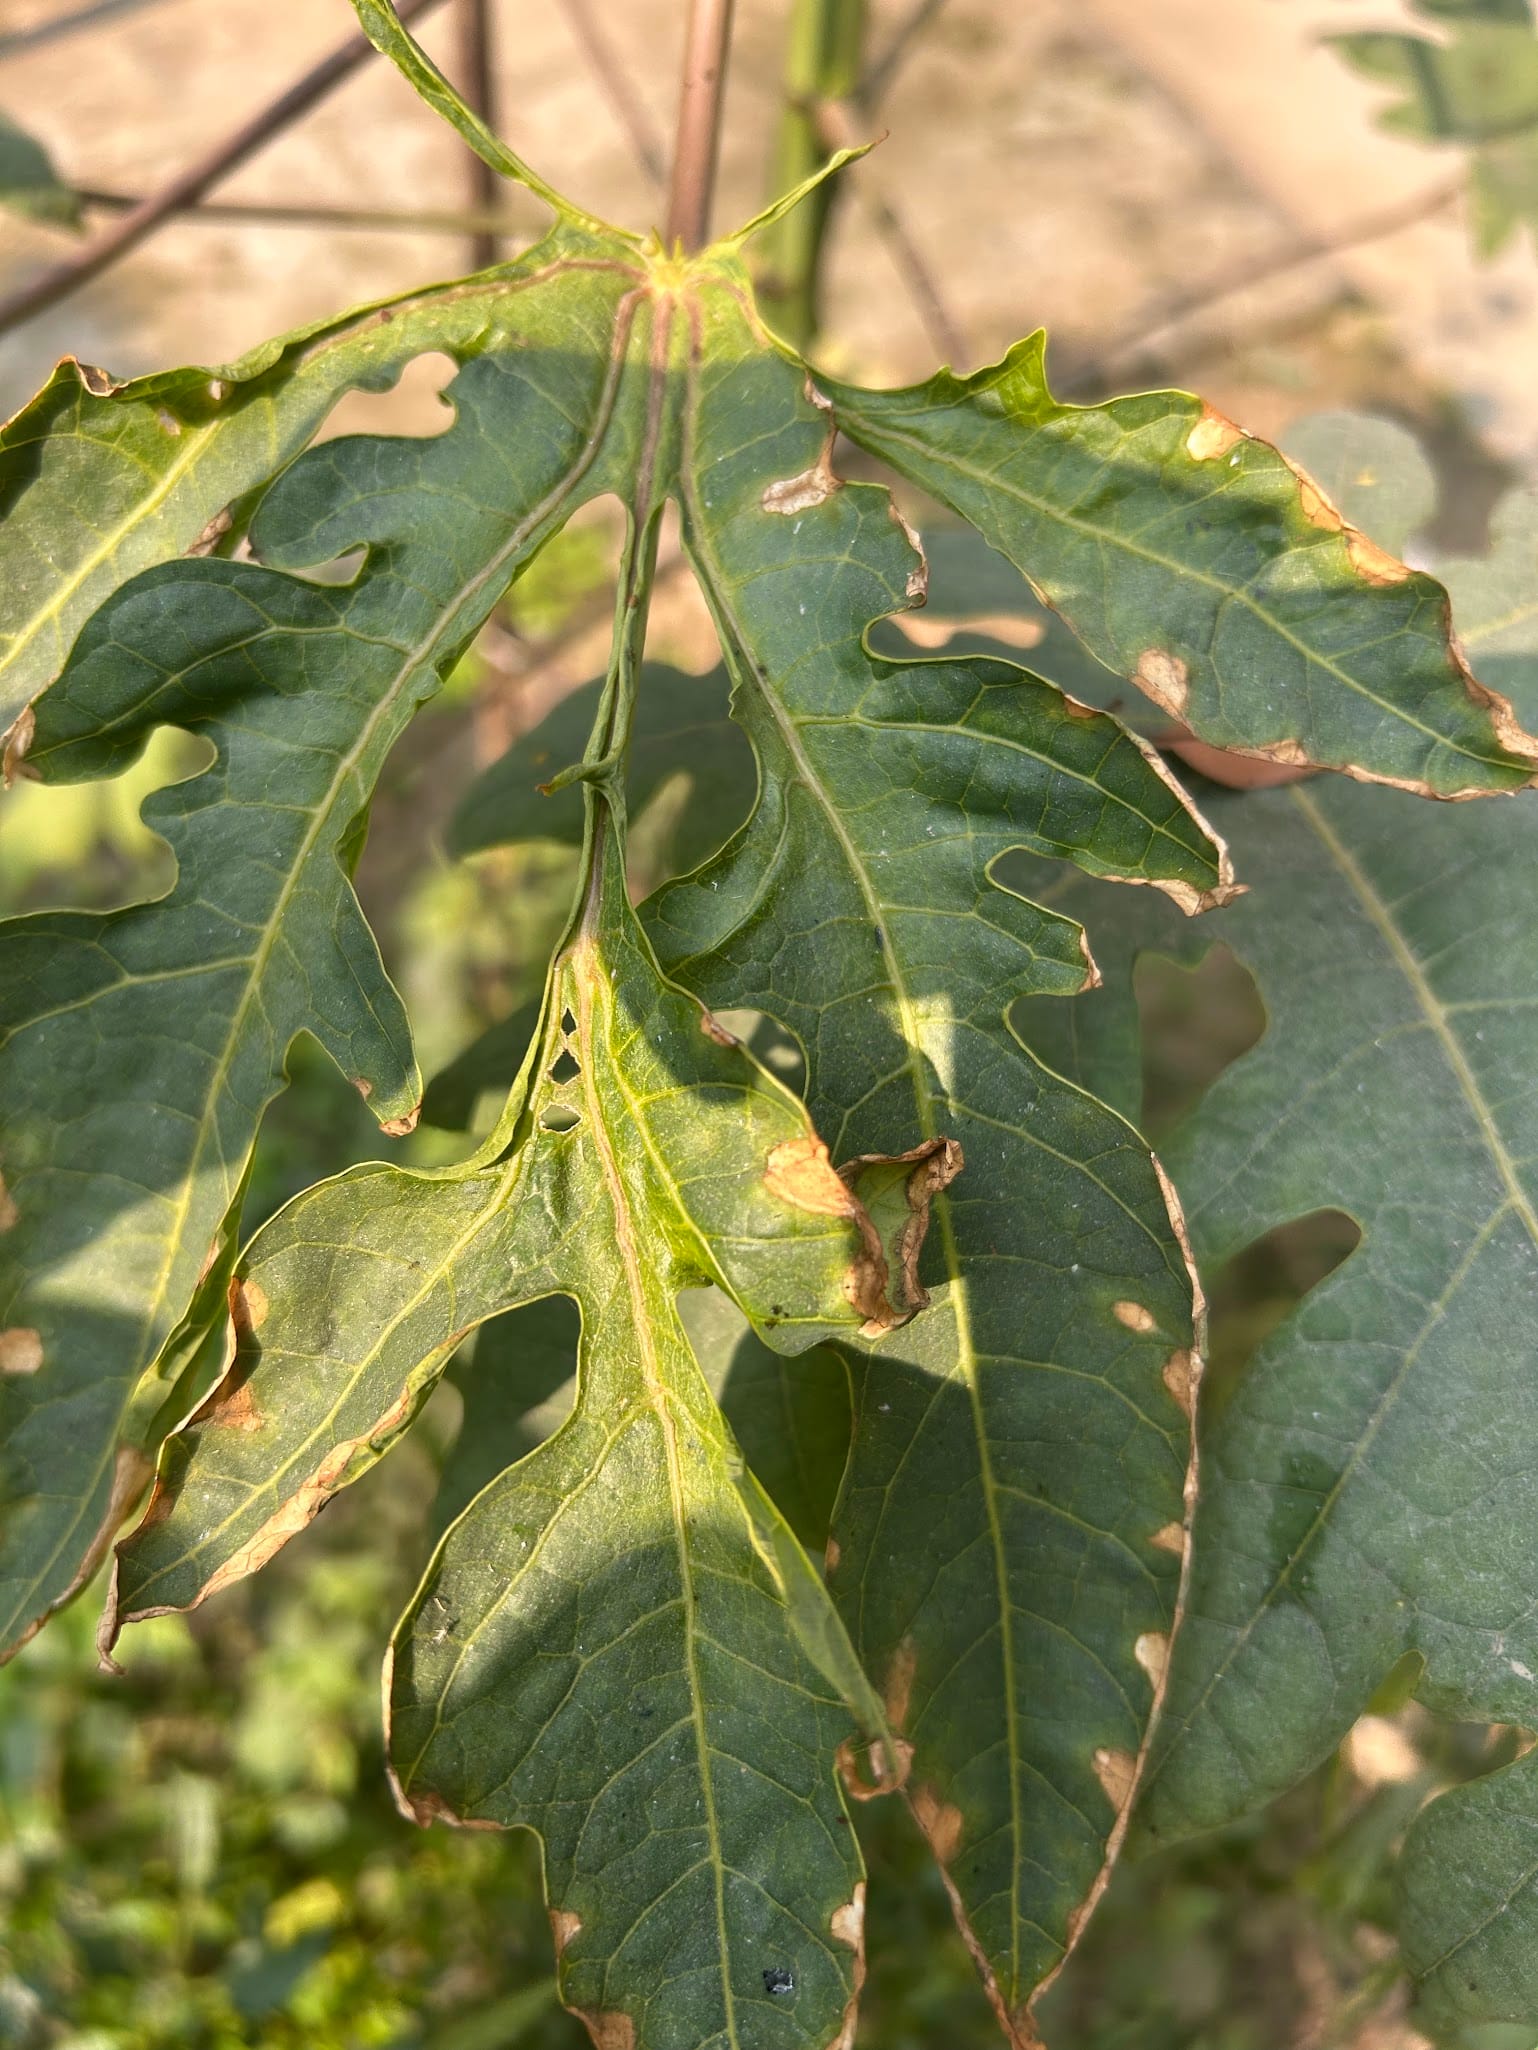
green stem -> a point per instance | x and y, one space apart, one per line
822 63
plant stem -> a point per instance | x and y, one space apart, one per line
706 42
64 278
478 67
877 81
822 64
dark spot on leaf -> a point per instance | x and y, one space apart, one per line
778 1980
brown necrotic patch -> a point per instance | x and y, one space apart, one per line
1213 435
1117 1773
1152 1652
21 1350
1134 1316
1180 1377
611 2031
564 1925
941 1822
898 1693
1164 678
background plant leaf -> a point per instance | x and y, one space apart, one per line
1474 83
681 735
29 184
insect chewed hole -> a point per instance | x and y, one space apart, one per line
778 1979
568 1022
566 1067
1259 1287
341 569
1195 1023
769 1042
413 408
559 1117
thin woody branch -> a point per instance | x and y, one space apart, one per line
189 186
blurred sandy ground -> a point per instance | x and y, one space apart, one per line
1081 164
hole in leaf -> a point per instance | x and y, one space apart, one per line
566 1067
412 408
1264 1284
559 1117
86 846
1195 1023
769 1043
568 1022
341 569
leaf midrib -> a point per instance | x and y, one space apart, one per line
589 981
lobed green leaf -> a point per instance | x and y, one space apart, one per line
1194 560
619 1643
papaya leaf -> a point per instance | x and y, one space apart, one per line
1368 1486
164 1027
1193 559
619 1643
1022 1443
1365 1486
101 478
